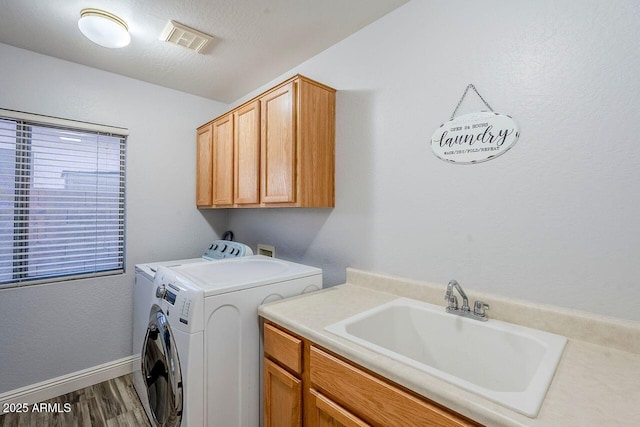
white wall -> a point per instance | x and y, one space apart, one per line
51 330
554 220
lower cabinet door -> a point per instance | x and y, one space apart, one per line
282 397
327 413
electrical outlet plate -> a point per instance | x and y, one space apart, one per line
266 250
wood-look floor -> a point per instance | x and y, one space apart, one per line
112 403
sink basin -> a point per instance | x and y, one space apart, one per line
509 364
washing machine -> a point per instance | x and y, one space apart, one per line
144 298
201 357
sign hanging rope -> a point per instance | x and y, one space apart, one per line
470 86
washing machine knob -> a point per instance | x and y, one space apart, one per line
161 291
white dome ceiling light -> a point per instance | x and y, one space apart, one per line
104 28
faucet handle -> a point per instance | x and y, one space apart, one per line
479 307
453 303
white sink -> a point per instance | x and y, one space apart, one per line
509 364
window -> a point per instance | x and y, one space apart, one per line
61 199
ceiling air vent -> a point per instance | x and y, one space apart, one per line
175 32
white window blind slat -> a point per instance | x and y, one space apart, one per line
62 200
52 264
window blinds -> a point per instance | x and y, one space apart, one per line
62 199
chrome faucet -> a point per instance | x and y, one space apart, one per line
479 307
453 300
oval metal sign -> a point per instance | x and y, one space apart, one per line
475 137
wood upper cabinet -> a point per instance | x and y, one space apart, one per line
298 145
315 144
222 186
283 149
203 167
279 145
246 166
228 159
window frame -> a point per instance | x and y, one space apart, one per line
24 145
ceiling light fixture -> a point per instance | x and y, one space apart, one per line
104 28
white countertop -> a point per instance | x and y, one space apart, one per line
597 383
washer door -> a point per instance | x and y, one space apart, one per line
161 371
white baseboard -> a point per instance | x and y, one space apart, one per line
45 390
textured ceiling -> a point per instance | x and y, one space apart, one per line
254 40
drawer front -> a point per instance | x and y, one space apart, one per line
373 399
327 413
284 348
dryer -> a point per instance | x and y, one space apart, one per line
144 297
201 355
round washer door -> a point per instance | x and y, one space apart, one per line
161 371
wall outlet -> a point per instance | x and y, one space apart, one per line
266 250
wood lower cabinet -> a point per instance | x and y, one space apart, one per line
282 387
336 392
377 400
277 150
326 413
282 397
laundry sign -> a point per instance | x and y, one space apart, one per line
475 137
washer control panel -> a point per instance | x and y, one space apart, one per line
221 249
178 301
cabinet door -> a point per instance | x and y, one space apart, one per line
222 190
278 174
326 413
247 154
282 397
203 167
